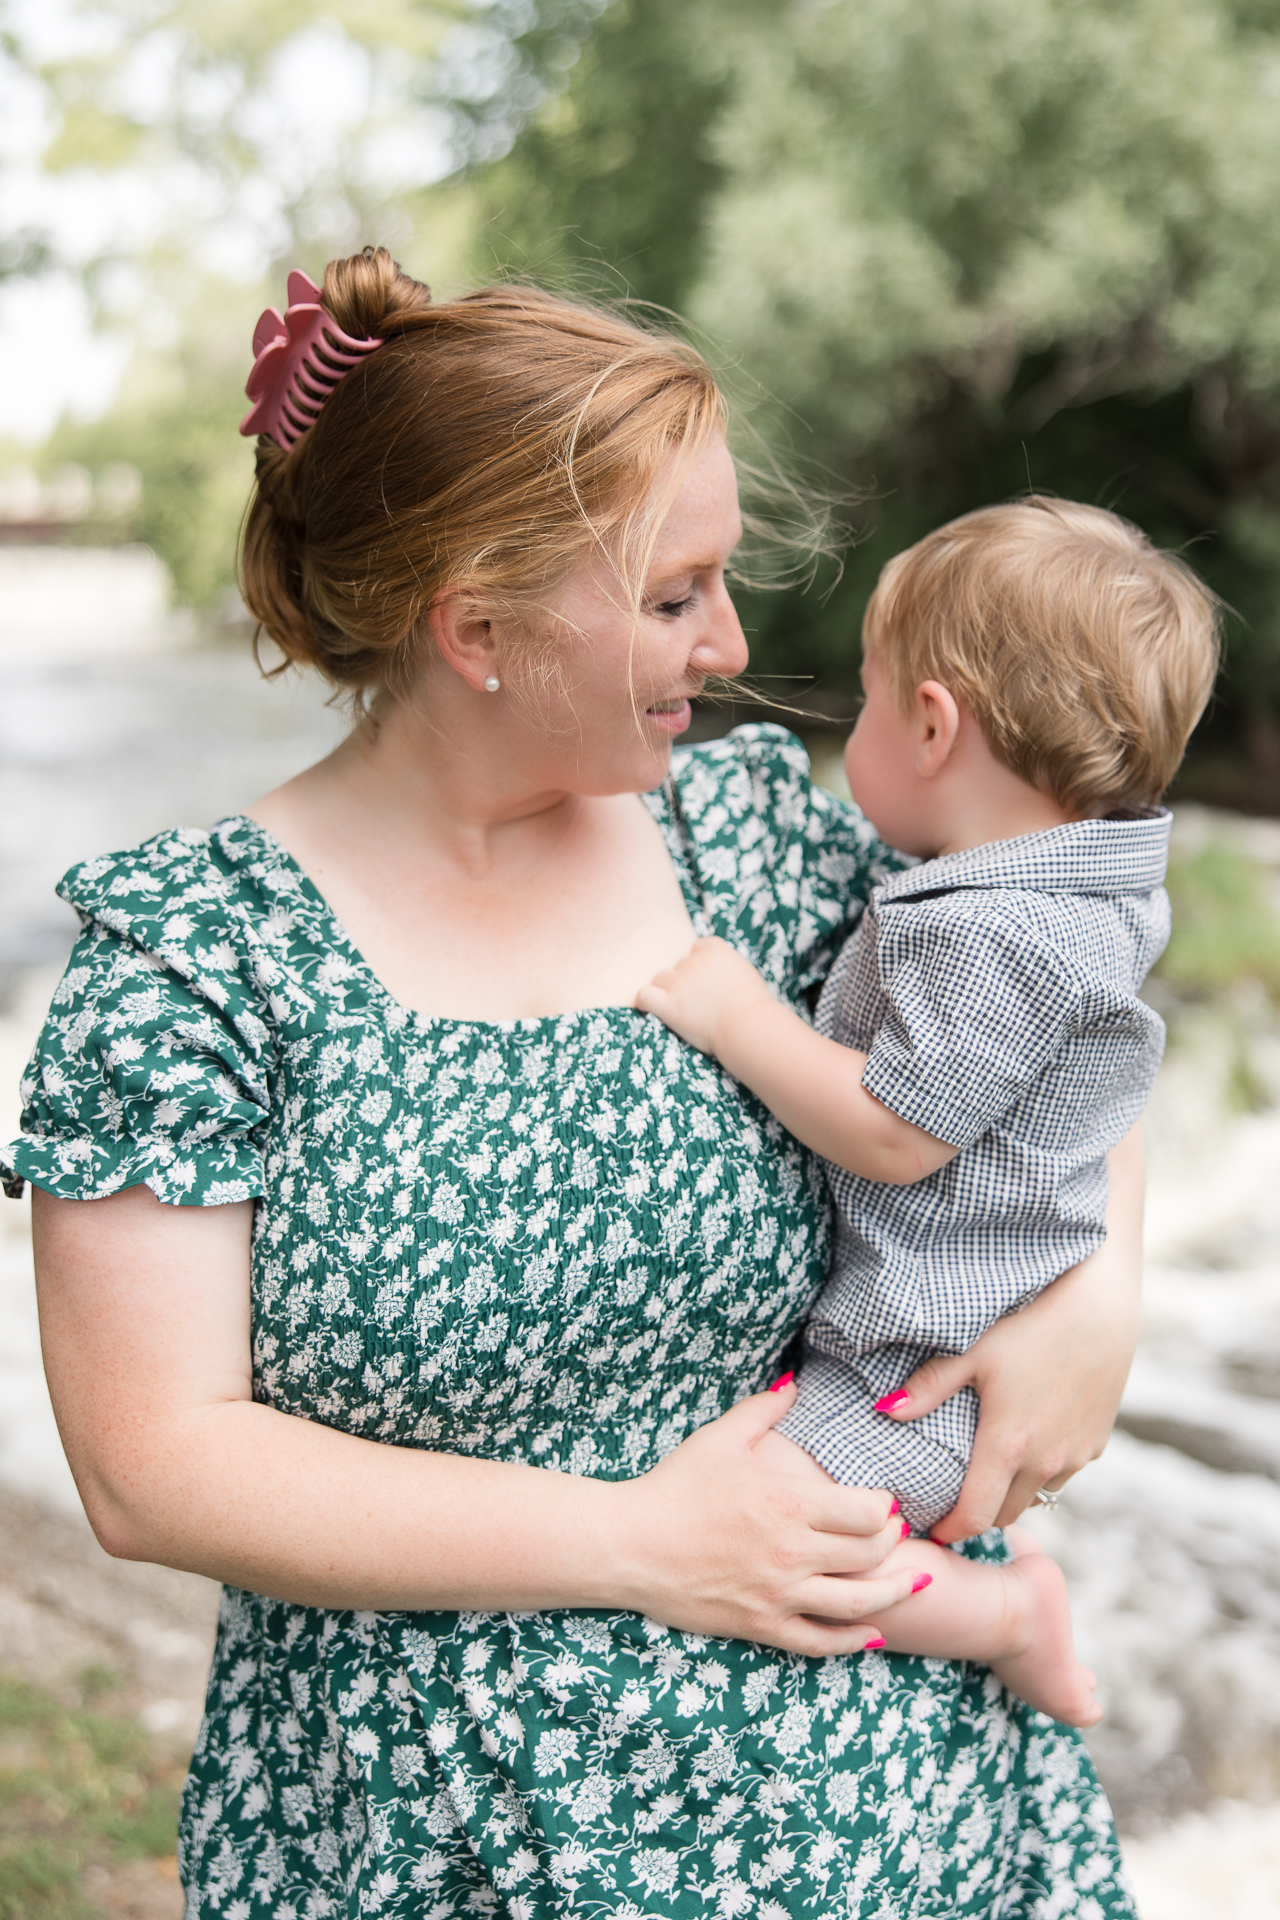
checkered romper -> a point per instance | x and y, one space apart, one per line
996 994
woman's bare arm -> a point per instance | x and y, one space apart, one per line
1049 1378
144 1314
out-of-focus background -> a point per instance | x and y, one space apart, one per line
940 251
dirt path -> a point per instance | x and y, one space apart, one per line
65 1607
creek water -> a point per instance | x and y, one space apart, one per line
1171 1540
98 754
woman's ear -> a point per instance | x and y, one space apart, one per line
464 636
936 724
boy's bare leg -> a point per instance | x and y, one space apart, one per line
1016 1618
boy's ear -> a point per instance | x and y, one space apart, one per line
936 717
464 636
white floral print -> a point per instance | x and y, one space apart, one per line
568 1242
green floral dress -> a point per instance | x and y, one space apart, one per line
566 1241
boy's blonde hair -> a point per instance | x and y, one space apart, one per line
1085 654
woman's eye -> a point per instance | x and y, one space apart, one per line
674 608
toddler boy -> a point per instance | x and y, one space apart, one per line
1032 674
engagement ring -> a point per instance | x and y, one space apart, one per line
1046 1499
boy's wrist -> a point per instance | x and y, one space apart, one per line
740 1027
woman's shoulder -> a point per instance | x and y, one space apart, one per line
177 882
760 770
221 910
154 1063
761 773
223 899
785 866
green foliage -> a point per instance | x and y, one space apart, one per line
959 246
79 1784
964 245
628 137
1225 925
176 420
933 192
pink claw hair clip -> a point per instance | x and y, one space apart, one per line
299 358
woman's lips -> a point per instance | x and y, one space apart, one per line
672 716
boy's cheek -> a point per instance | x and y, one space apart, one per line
867 791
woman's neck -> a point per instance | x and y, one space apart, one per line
475 890
427 792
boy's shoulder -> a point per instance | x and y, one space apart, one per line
1059 915
1093 862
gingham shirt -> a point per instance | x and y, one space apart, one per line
995 992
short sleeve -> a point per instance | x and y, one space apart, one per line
978 1009
142 1077
785 868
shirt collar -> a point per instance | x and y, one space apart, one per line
1085 856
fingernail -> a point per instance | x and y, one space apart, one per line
783 1380
921 1581
892 1400
905 1529
895 1508
879 1641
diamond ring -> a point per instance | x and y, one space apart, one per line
1044 1498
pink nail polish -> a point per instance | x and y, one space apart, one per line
892 1400
879 1641
895 1508
905 1529
783 1380
921 1581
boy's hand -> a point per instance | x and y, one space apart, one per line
702 996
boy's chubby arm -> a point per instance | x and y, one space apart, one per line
717 1001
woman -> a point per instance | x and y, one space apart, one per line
397 1273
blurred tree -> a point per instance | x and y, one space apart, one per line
240 137
175 420
609 182
24 249
236 139
964 244
250 130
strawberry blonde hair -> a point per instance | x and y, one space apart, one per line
491 445
1085 654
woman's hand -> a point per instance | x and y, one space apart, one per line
144 1314
712 1542
1049 1378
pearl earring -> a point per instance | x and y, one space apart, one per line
492 684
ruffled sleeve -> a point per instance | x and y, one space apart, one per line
784 867
154 1065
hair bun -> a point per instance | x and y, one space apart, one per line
368 293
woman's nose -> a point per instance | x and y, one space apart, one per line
721 646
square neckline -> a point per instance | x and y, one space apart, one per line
676 837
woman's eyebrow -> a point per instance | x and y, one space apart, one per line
690 566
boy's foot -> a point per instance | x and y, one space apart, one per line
1043 1670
